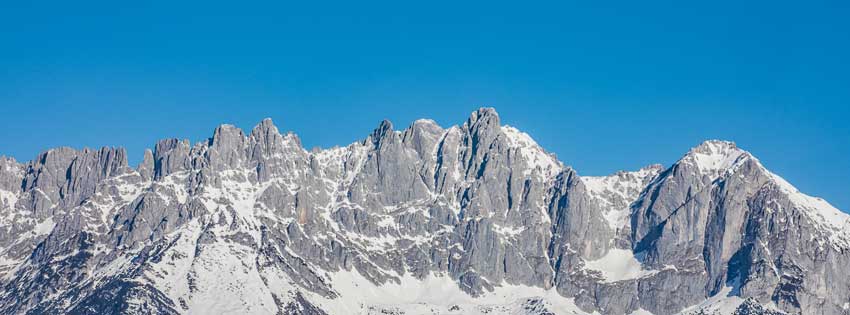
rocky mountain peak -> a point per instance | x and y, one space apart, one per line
715 156
265 131
11 173
379 134
226 133
265 126
472 219
485 118
169 156
652 169
146 166
537 158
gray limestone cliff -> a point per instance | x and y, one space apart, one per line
253 223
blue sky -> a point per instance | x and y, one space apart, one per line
605 87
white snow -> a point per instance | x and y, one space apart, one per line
819 210
618 265
44 227
537 158
617 218
603 189
221 279
715 156
433 294
8 199
225 279
721 303
641 311
616 192
175 182
241 291
508 231
129 192
626 185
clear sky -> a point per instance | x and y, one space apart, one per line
605 87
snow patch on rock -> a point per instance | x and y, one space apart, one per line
819 210
618 265
616 192
537 158
714 157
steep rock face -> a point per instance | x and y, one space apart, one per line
719 211
39 193
475 218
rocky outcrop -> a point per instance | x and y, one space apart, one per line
254 223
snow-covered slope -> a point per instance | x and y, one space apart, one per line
616 192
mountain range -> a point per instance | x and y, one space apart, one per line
471 219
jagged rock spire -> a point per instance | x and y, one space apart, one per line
383 131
